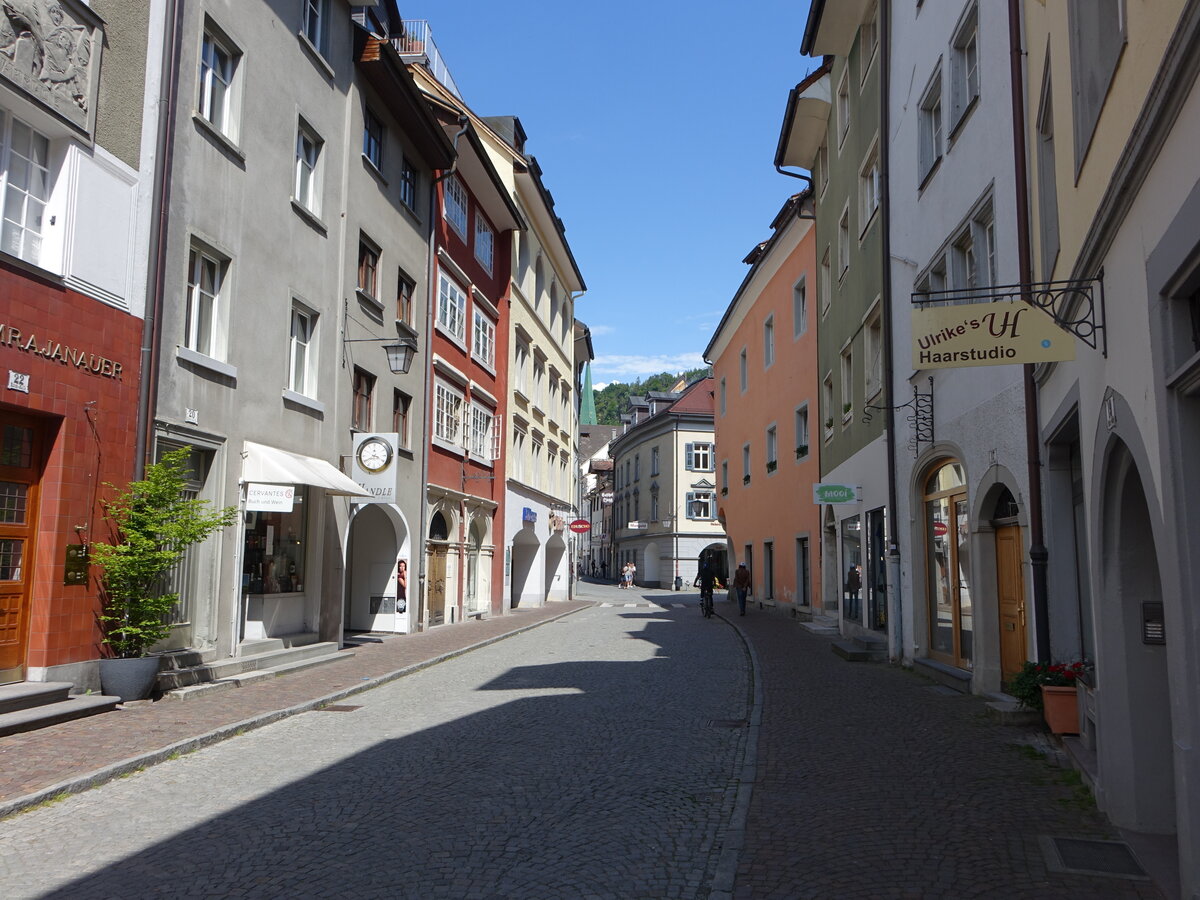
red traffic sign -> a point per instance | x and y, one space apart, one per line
580 526
940 528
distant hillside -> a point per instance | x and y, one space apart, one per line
612 401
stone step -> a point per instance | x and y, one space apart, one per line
959 679
218 670
32 718
1010 712
27 694
287 662
857 650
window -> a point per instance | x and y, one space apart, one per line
520 436
408 184
868 42
802 432
654 506
373 139
769 342
847 385
1098 35
637 467
447 413
722 397
404 297
799 308
218 66
823 166
724 476
368 267
700 505
364 391
964 66
873 336
930 126
699 457
843 106
539 383
485 240
203 326
481 432
454 205
25 182
1047 180
401 404
827 404
844 243
772 448
316 24
521 353
653 460
308 154
483 345
742 369
452 308
868 188
745 464
300 365
973 254
825 285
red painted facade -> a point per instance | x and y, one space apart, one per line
458 472
82 362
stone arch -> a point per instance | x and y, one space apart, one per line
556 551
524 550
652 575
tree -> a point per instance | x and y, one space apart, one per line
613 400
151 526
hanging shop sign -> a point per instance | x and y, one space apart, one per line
557 523
528 515
270 497
580 526
835 493
986 334
374 467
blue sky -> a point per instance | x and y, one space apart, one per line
655 125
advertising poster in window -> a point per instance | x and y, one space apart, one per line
402 616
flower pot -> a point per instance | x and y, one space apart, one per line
1060 708
129 679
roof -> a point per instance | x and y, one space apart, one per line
593 437
697 399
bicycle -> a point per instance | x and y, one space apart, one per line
706 602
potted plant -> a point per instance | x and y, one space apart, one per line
151 526
802 451
829 424
745 479
772 465
1050 687
846 407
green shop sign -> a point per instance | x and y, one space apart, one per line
835 493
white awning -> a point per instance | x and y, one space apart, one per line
270 465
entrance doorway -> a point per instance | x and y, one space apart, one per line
439 536
1010 586
947 566
21 439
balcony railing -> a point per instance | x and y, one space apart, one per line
416 45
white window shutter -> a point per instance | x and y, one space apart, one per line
497 436
464 424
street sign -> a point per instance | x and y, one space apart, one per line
637 525
579 526
835 493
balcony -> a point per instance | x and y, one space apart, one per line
416 45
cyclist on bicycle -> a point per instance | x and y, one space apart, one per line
704 580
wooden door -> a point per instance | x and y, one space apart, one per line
20 468
436 579
1010 593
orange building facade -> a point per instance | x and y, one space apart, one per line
764 358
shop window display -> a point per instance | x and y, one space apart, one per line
274 552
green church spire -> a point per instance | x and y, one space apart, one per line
587 403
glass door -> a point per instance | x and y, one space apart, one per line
948 587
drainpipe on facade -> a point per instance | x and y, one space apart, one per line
893 560
164 152
1038 555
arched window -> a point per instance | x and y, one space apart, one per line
439 529
947 572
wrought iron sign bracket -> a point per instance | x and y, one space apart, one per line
1077 306
920 417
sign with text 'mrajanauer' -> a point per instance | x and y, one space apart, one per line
986 334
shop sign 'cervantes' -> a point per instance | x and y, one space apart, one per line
986 334
58 352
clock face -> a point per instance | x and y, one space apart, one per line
374 455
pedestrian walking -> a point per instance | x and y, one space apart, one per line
741 584
853 586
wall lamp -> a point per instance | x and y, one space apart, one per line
400 351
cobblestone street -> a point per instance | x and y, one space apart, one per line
603 754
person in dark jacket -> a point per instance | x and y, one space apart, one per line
741 584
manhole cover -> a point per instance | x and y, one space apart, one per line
1090 857
728 723
339 707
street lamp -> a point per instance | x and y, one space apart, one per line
399 352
